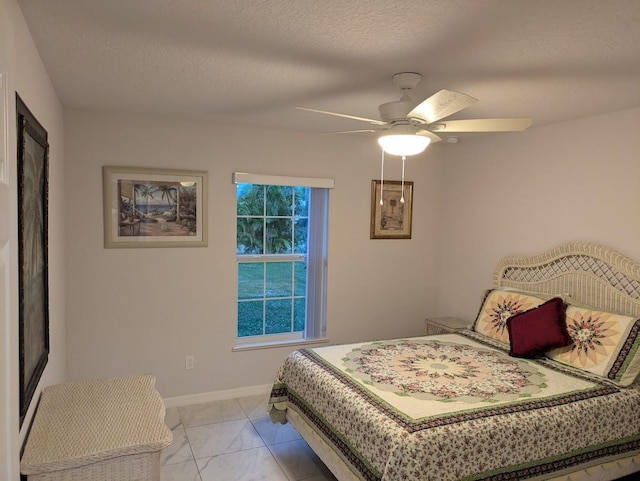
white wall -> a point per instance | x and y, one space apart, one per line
25 72
144 310
524 193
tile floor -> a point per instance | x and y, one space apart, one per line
234 440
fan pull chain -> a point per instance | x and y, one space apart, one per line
402 195
382 178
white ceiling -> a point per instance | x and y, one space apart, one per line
251 62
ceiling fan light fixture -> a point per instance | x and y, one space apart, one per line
403 144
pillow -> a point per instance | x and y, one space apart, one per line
498 306
537 330
604 343
564 296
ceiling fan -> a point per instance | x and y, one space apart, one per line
407 129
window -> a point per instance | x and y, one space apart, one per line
281 253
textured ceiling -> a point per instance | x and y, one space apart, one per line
251 62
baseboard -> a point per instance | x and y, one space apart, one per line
216 395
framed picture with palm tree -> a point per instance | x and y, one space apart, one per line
391 209
145 207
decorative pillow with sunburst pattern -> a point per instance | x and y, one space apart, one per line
498 306
604 343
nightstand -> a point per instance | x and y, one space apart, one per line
445 325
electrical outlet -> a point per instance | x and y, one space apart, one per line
189 362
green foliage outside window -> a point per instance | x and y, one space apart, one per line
271 221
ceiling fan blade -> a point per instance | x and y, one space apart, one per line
482 125
427 133
441 105
353 117
353 131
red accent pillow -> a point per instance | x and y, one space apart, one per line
537 330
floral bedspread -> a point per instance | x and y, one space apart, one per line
455 407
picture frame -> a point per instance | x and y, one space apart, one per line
149 207
33 275
4 101
392 219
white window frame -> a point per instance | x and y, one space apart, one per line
316 295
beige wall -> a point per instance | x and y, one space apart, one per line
21 62
524 193
474 203
181 301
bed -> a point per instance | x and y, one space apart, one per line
543 385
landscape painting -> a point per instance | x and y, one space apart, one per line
154 207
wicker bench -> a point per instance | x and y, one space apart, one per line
99 430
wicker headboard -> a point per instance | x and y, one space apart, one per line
590 273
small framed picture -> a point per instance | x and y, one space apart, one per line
154 207
391 209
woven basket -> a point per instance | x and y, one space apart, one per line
99 430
